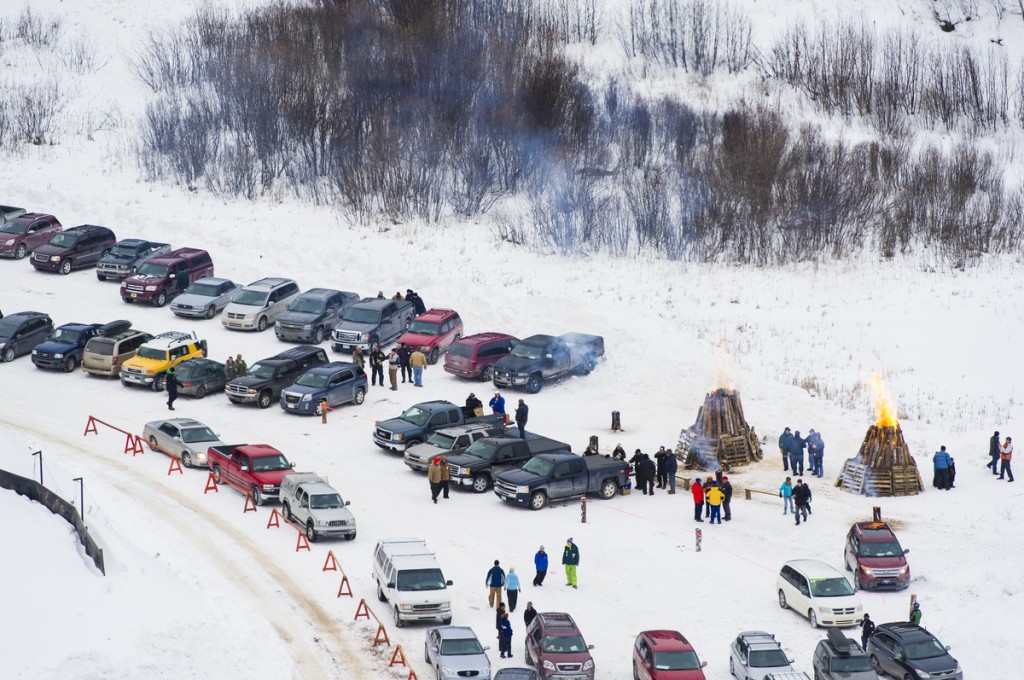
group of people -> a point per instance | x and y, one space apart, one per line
792 447
411 363
497 405
410 296
236 368
796 498
1002 455
712 496
650 474
944 468
439 476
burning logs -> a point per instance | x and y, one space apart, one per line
883 466
720 437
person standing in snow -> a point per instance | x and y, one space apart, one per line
727 493
377 358
707 487
434 476
618 453
571 560
495 581
802 499
867 629
418 361
786 494
540 561
241 368
522 415
229 369
715 497
941 460
497 404
697 490
499 612
993 452
815 452
1005 456
505 637
915 614
512 588
473 402
529 614
671 466
785 440
659 459
796 453
403 356
645 472
358 359
394 362
446 475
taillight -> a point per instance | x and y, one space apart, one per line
113 360
186 384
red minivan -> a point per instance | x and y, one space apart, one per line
665 655
474 356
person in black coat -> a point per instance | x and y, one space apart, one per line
529 614
802 500
403 357
993 452
522 414
796 453
377 358
172 388
867 629
646 468
472 401
660 457
727 492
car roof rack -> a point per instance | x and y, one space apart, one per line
115 327
177 335
840 642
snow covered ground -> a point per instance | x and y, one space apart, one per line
197 588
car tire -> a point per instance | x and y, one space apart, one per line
8 355
21 252
153 446
161 299
65 267
318 336
636 676
538 501
857 585
534 384
380 594
311 532
320 408
782 599
261 325
608 489
480 483
286 510
447 621
101 277
69 364
211 311
877 666
399 623
426 655
265 399
200 391
257 496
360 396
588 364
215 471
812 618
434 354
732 667
487 374
159 383
350 537
186 459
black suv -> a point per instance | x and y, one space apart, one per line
266 378
839 658
20 332
73 248
312 315
908 650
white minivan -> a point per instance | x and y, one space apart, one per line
410 580
259 304
819 592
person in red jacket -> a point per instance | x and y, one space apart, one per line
698 499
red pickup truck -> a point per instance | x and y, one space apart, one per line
257 467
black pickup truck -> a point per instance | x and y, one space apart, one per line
478 463
418 422
540 358
559 476
266 378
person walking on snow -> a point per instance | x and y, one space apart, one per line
172 392
505 637
540 561
697 490
785 441
522 414
941 461
715 498
867 629
571 560
802 498
495 582
671 465
1005 456
915 614
786 494
512 588
446 475
434 476
993 452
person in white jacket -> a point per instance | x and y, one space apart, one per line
1005 456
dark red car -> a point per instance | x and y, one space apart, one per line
432 332
23 234
875 557
665 655
474 356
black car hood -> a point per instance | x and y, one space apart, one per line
300 318
516 364
251 381
934 664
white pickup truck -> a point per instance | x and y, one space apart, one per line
308 499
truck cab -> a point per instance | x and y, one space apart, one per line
259 468
265 380
371 322
409 579
124 258
446 441
311 316
477 465
65 346
418 422
309 500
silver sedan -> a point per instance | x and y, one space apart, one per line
184 437
455 652
205 298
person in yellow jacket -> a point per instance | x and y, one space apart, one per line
715 497
418 361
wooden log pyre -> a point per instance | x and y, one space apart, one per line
883 466
720 437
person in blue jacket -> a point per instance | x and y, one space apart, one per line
796 453
816 452
671 465
497 404
786 494
540 561
512 588
941 461
505 637
495 581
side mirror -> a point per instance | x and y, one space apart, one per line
243 468
548 357
948 648
172 276
449 583
590 646
703 664
906 550
291 465
487 648
348 503
390 585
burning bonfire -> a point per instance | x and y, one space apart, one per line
883 466
721 437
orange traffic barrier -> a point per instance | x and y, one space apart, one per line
345 588
250 503
211 483
175 466
362 610
331 563
302 543
275 519
398 657
381 636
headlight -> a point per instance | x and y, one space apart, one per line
307 397
399 437
124 284
405 607
549 666
55 258
424 349
58 356
9 242
150 289
466 471
823 610
250 391
867 570
922 674
34 352
308 327
446 671
268 487
903 569
360 337
588 665
522 489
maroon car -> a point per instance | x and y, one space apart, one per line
475 355
556 648
23 234
432 332
665 655
875 557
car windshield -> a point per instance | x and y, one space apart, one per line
326 501
441 441
103 346
307 305
64 335
261 370
461 350
152 353
538 466
420 579
564 644
527 351
415 415
15 228
188 370
64 240
198 434
254 298
923 649
880 549
462 647
358 315
831 587
121 250
676 661
424 328
483 450
8 328
204 289
312 379
768 658
850 664
270 463
150 269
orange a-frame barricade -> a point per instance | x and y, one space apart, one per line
398 657
345 588
331 563
275 519
211 483
132 442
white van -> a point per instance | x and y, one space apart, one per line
819 592
409 579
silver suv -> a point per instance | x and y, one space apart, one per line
259 304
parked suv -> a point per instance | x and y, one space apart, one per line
839 658
199 377
819 592
22 331
73 248
266 378
166 276
905 650
875 557
205 297
755 655
259 304
665 655
474 356
432 332
556 647
336 383
125 257
65 346
311 316
149 365
22 234
116 343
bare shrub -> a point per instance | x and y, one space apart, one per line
35 109
38 31
79 56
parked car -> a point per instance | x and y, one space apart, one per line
555 646
126 256
819 592
477 466
205 297
420 421
874 555
259 468
266 378
336 383
259 304
166 276
906 650
474 356
454 652
311 316
409 579
73 248
665 655
837 657
447 441
186 438
516 673
755 654
116 343
308 500
64 348
432 332
149 365
542 358
559 476
371 322
21 331
198 377
22 234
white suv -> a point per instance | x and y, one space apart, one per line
819 592
259 304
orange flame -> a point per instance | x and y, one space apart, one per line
885 409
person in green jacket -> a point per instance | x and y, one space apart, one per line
571 560
915 614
